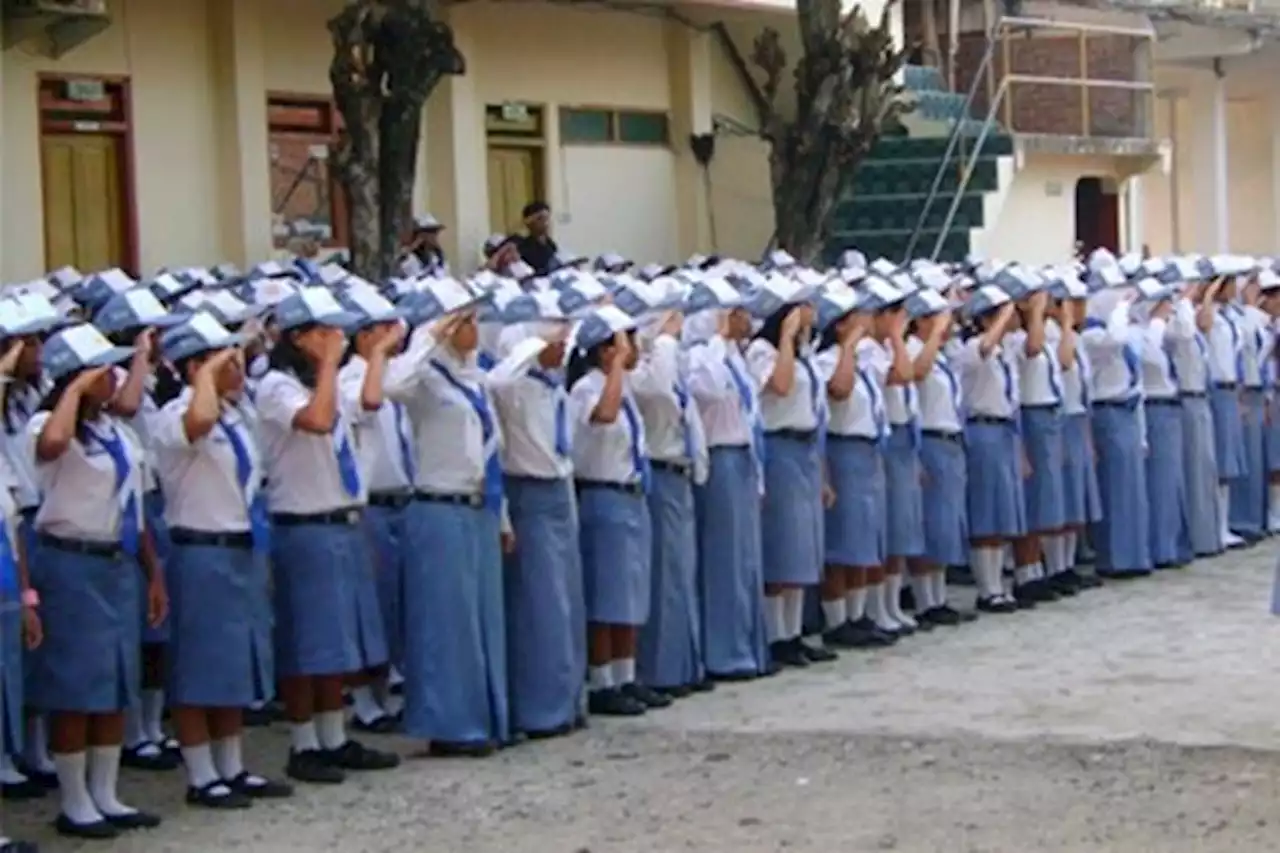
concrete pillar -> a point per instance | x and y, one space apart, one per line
1275 167
689 70
1134 207
237 48
1210 216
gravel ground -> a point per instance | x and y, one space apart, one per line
1139 718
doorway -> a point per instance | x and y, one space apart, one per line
1097 215
512 184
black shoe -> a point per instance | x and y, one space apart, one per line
353 755
907 599
817 654
868 635
942 615
19 847
16 792
731 677
258 788
461 749
770 669
149 756
133 820
1087 581
1063 584
680 691
257 718
1044 591
313 766
612 702
384 725
997 604
788 653
646 696
226 796
548 734
841 637
581 722
48 781
706 685
96 831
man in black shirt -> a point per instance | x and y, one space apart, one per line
537 249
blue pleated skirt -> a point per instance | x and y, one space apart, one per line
89 661
545 614
1167 486
219 653
791 518
1044 491
670 652
384 528
1272 428
455 649
994 481
616 540
153 511
1247 512
1121 539
1228 433
1199 461
903 497
326 601
856 526
1081 501
730 564
11 677
946 522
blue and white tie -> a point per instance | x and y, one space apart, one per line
489 435
747 401
254 500
563 442
345 455
126 493
681 392
639 463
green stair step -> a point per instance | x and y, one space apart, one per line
887 213
906 177
933 147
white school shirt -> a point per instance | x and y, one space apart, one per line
1077 385
989 385
1114 380
901 402
301 467
79 487
1255 344
654 383
377 432
138 423
602 452
527 408
1159 372
1039 376
1190 348
1226 340
798 410
201 480
14 448
863 412
940 392
727 418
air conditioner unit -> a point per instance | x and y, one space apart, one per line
63 24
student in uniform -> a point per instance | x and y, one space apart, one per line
91 539
611 467
1226 368
1247 515
219 655
328 625
989 385
735 647
1122 538
545 611
133 318
385 450
793 404
1269 290
20 629
455 654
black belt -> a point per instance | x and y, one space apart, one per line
350 515
529 478
82 546
1117 404
1225 386
684 469
208 538
633 488
832 436
1256 389
806 436
1163 401
1194 395
729 447
943 435
450 498
391 500
1044 406
989 419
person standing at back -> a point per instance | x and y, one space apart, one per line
536 247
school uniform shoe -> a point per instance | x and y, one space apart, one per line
19 847
150 756
866 634
1062 585
706 685
549 734
461 749
258 787
217 795
1028 595
680 691
939 616
817 654
313 765
998 604
1089 581
353 755
612 702
99 830
130 821
384 725
16 792
646 696
789 653
48 781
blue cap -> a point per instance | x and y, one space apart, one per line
368 306
527 308
30 314
599 326
77 348
985 299
926 303
168 287
711 293
199 333
227 308
312 305
774 293
834 302
565 259
436 298
133 309
93 292
879 294
638 298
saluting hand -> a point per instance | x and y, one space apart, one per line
9 361
85 378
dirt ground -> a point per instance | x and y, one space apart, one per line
1140 718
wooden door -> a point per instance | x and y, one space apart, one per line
83 204
512 184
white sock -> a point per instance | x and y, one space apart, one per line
1070 544
1224 511
257 706
200 768
876 608
1273 507
9 773
855 602
1024 574
600 677
793 623
624 671
836 613
922 589
331 729
366 705
395 679
37 746
153 715
986 565
73 790
1006 558
104 773
938 581
302 736
1052 548
774 617
893 600
135 733
228 758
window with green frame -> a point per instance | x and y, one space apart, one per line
625 127
586 126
